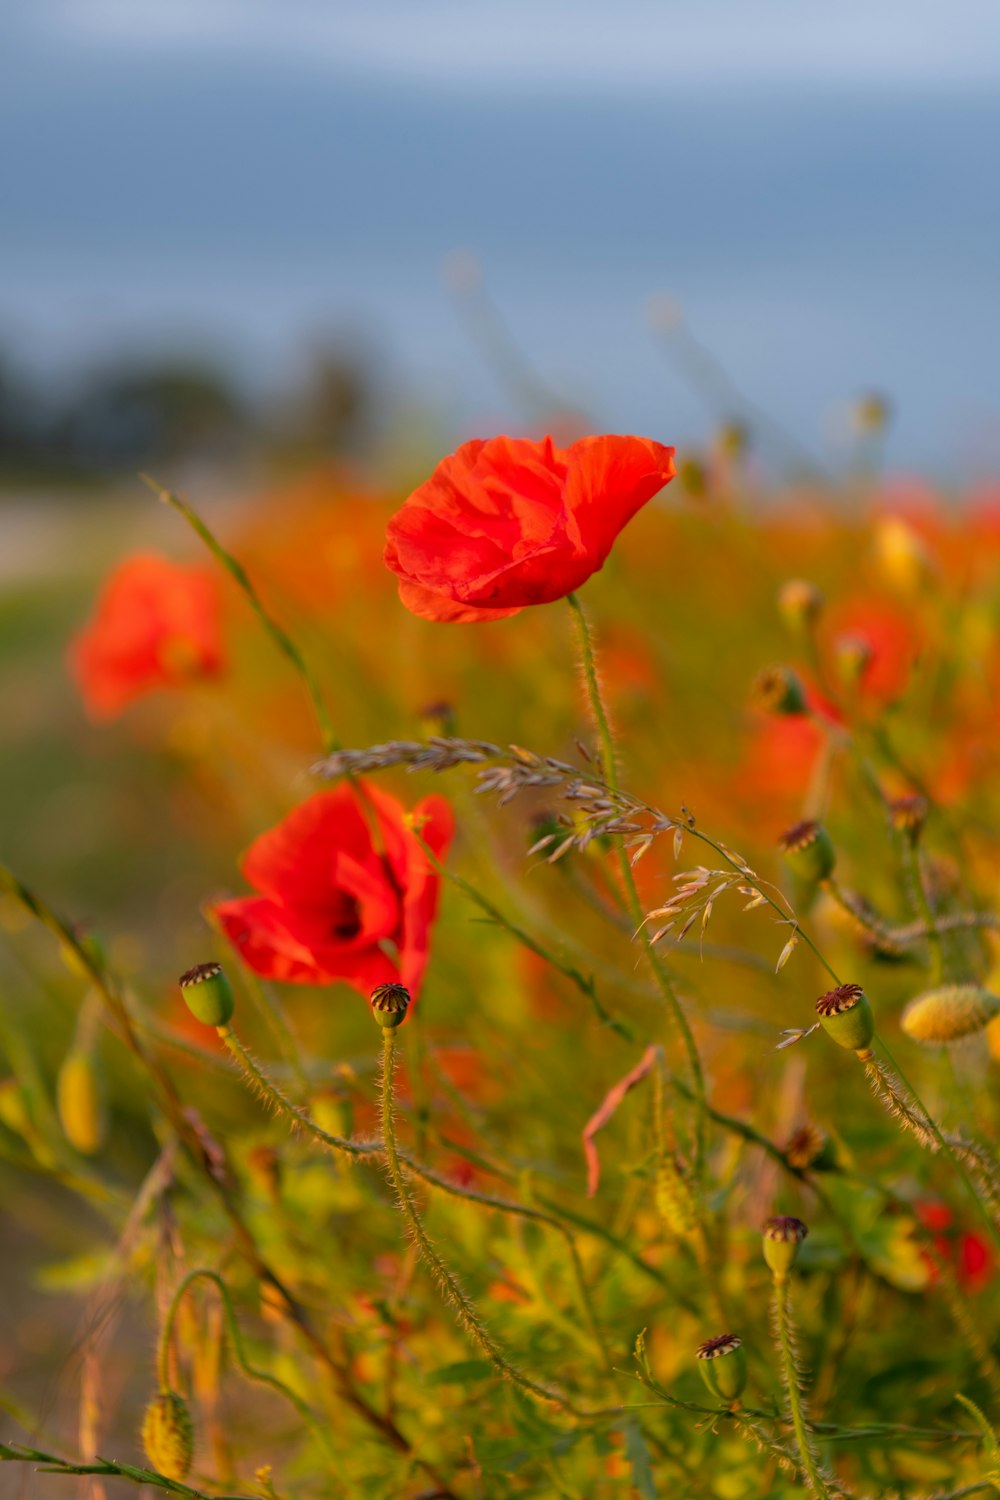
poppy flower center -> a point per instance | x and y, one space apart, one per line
345 917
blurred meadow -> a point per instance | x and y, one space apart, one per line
273 264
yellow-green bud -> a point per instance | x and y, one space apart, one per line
779 690
723 1366
950 1013
208 994
851 655
389 1004
168 1435
809 850
692 476
800 604
846 1015
782 1238
437 720
80 1100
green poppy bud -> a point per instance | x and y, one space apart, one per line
779 690
847 1015
80 1101
389 1004
168 1435
782 1238
809 850
851 654
800 605
950 1013
723 1366
208 994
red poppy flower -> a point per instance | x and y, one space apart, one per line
507 523
156 625
336 903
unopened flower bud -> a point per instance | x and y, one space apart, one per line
909 814
851 655
949 1013
692 476
846 1014
902 557
168 1435
80 1101
871 413
723 1365
800 605
437 720
389 1004
810 1150
809 850
208 994
782 1238
779 690
732 440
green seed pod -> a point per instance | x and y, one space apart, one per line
847 1015
723 1366
779 690
389 1004
782 1238
333 1111
80 1100
949 1013
168 1435
674 1197
800 605
208 994
809 850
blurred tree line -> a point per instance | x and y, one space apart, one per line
136 413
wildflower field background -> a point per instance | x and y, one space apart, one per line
499 941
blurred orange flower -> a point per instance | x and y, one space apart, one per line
506 523
337 902
156 625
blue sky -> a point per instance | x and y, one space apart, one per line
813 184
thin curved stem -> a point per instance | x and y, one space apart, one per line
250 1371
633 902
462 1304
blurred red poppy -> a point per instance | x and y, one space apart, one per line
156 625
336 902
509 522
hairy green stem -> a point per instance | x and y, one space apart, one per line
796 1406
663 980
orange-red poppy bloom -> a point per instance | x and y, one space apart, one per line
345 891
509 522
156 625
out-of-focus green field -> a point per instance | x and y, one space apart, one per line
133 826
